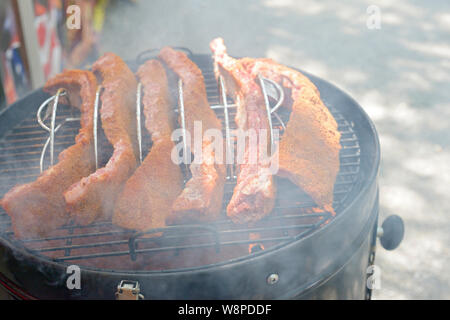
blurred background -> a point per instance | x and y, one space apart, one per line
393 57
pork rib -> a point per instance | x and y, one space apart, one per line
38 207
254 194
93 197
150 192
201 199
309 149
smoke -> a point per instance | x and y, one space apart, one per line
193 247
131 29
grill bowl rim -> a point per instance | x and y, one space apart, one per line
366 184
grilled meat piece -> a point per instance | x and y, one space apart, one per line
201 199
150 192
93 197
309 149
38 207
254 194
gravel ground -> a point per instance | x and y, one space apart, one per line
400 74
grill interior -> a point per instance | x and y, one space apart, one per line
105 246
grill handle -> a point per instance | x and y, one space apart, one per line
391 232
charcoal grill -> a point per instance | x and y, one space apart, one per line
298 252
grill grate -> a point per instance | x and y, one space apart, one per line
102 244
